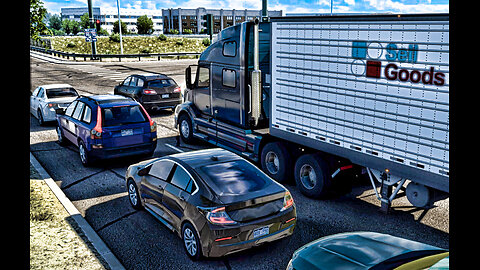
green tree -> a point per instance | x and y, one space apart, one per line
70 26
124 28
85 21
55 22
37 15
144 25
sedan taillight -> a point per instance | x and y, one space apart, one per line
287 201
177 90
218 216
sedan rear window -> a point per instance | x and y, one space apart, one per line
234 177
123 115
61 92
161 83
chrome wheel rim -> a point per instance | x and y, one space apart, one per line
308 176
132 193
272 162
189 240
83 153
185 128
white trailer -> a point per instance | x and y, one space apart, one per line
372 89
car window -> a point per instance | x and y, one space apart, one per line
40 93
78 111
87 116
234 177
116 116
126 82
133 82
161 169
140 83
180 178
70 108
61 92
161 83
35 92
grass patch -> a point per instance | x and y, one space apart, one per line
54 244
131 45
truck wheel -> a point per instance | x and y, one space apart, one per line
312 175
185 128
276 161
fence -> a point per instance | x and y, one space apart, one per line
103 56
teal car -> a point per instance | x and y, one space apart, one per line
365 250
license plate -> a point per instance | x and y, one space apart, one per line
127 132
165 95
260 232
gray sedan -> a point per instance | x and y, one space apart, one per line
216 201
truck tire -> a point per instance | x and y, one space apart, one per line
312 175
185 128
277 162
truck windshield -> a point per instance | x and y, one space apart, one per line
234 177
123 115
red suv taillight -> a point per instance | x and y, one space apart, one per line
177 90
96 132
149 92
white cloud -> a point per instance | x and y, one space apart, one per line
399 7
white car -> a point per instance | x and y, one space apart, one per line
46 99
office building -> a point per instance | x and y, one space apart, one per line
182 19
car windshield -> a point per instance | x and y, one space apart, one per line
123 115
61 92
234 177
161 83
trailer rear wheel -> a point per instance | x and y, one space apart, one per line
312 175
276 161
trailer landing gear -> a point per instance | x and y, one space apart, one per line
387 182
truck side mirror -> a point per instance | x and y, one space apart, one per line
188 77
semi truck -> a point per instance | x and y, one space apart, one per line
310 98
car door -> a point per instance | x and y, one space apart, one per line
122 88
65 121
75 125
202 91
177 194
33 101
153 185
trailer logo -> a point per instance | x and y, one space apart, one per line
372 68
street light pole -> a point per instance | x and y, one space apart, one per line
119 27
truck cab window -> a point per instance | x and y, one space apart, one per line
203 77
230 48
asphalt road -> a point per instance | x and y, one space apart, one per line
141 242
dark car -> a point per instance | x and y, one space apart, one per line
365 250
216 201
153 91
106 126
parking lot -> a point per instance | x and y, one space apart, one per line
140 241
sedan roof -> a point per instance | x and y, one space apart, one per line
205 157
56 85
356 250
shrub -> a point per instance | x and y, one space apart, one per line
206 42
179 42
162 37
114 37
71 45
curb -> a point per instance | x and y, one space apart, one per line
92 236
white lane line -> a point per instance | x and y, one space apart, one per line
174 148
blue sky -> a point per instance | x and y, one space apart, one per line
288 6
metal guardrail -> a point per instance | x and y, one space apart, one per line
102 56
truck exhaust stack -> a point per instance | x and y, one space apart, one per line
256 87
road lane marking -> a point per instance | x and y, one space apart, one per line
174 148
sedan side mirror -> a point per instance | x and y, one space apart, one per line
144 171
60 111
